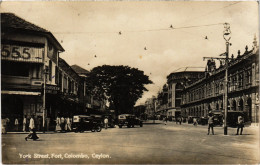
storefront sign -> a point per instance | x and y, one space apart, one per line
52 89
21 53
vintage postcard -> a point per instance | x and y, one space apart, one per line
120 82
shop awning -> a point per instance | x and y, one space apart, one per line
20 93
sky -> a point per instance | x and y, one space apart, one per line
87 29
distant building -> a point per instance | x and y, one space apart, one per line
150 107
176 82
90 104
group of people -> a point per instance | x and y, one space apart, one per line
63 124
240 124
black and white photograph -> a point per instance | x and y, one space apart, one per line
130 82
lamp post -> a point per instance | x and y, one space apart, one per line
227 37
45 73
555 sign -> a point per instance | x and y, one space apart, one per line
21 53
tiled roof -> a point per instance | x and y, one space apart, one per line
10 20
79 69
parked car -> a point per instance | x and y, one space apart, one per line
129 120
203 120
83 123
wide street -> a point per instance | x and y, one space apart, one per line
153 143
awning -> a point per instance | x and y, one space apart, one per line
21 93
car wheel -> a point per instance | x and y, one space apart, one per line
133 126
141 125
93 130
120 126
128 126
98 129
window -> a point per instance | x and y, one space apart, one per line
15 69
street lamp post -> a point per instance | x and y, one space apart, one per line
227 37
45 73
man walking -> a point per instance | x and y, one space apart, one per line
210 123
240 124
32 134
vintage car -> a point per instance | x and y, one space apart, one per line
83 123
129 120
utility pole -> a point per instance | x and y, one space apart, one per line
227 37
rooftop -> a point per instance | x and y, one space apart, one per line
79 69
190 69
10 20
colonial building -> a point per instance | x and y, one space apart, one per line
162 101
206 94
176 82
27 52
90 104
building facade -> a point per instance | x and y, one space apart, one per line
176 82
26 52
207 93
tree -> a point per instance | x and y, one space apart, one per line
121 85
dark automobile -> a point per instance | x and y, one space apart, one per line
232 118
129 120
83 123
203 120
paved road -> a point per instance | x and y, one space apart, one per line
158 143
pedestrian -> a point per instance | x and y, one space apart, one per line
7 127
62 124
240 124
68 123
16 124
3 123
32 134
58 128
210 123
176 119
180 120
24 123
195 123
48 123
106 122
164 119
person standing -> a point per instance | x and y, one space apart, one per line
58 128
16 124
176 119
62 124
68 124
210 123
24 123
180 120
32 134
106 122
3 122
47 123
240 124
